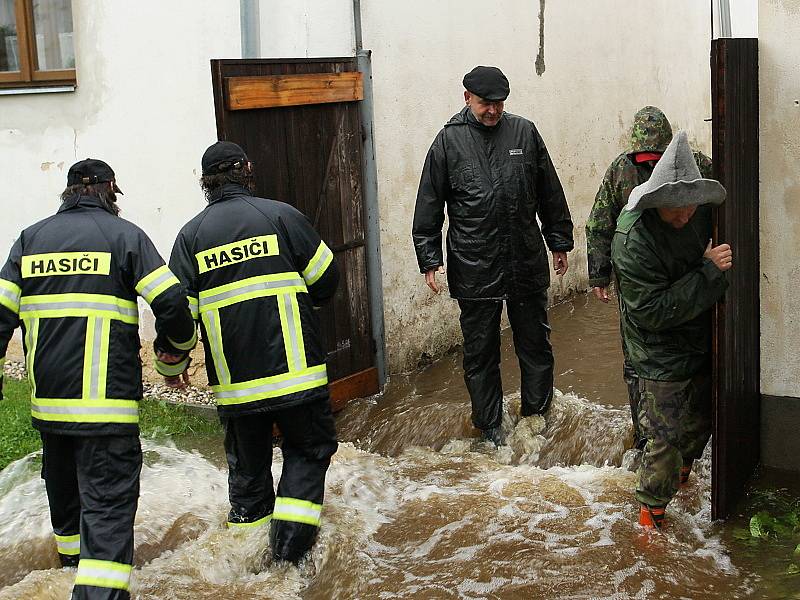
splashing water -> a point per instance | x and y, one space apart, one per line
416 507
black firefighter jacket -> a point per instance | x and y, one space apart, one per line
494 182
73 281
255 269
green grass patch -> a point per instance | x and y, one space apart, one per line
17 437
157 419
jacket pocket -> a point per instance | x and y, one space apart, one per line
463 177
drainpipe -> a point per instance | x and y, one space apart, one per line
250 26
721 16
357 33
370 195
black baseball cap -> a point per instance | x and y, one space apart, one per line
487 82
221 157
91 171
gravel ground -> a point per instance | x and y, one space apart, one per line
190 395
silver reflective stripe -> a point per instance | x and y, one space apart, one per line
103 573
320 265
193 307
249 289
294 358
94 381
299 511
12 297
151 287
273 387
83 410
123 310
68 544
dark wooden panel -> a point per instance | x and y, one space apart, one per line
734 68
245 93
310 156
359 385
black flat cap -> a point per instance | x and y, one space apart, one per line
221 157
91 171
487 82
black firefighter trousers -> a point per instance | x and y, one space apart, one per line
480 324
93 489
309 441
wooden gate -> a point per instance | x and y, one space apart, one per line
298 121
734 83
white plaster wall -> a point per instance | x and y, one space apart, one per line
306 28
779 161
602 65
744 18
143 103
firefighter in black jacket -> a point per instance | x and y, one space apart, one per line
72 281
255 269
492 171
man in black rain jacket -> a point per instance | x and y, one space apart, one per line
255 270
492 171
72 281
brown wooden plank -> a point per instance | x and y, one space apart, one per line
244 93
736 435
358 385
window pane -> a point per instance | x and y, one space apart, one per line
9 48
52 23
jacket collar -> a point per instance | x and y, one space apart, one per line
78 201
228 190
473 122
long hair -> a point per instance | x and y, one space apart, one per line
102 191
242 177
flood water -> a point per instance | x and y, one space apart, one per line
418 507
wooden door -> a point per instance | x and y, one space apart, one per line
734 72
298 121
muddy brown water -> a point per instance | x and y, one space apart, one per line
418 507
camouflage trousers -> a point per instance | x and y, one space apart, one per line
675 419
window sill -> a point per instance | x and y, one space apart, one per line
53 89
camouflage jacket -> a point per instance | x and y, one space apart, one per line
651 132
666 288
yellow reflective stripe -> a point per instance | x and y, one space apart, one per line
102 379
50 306
103 573
89 357
270 387
194 307
10 293
214 335
298 511
185 345
260 521
250 288
31 340
79 410
318 264
65 263
155 283
289 340
69 545
297 329
95 357
237 252
168 370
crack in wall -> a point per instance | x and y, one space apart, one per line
540 66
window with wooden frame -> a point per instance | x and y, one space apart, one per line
36 46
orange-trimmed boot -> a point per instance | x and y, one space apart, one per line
651 516
684 477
